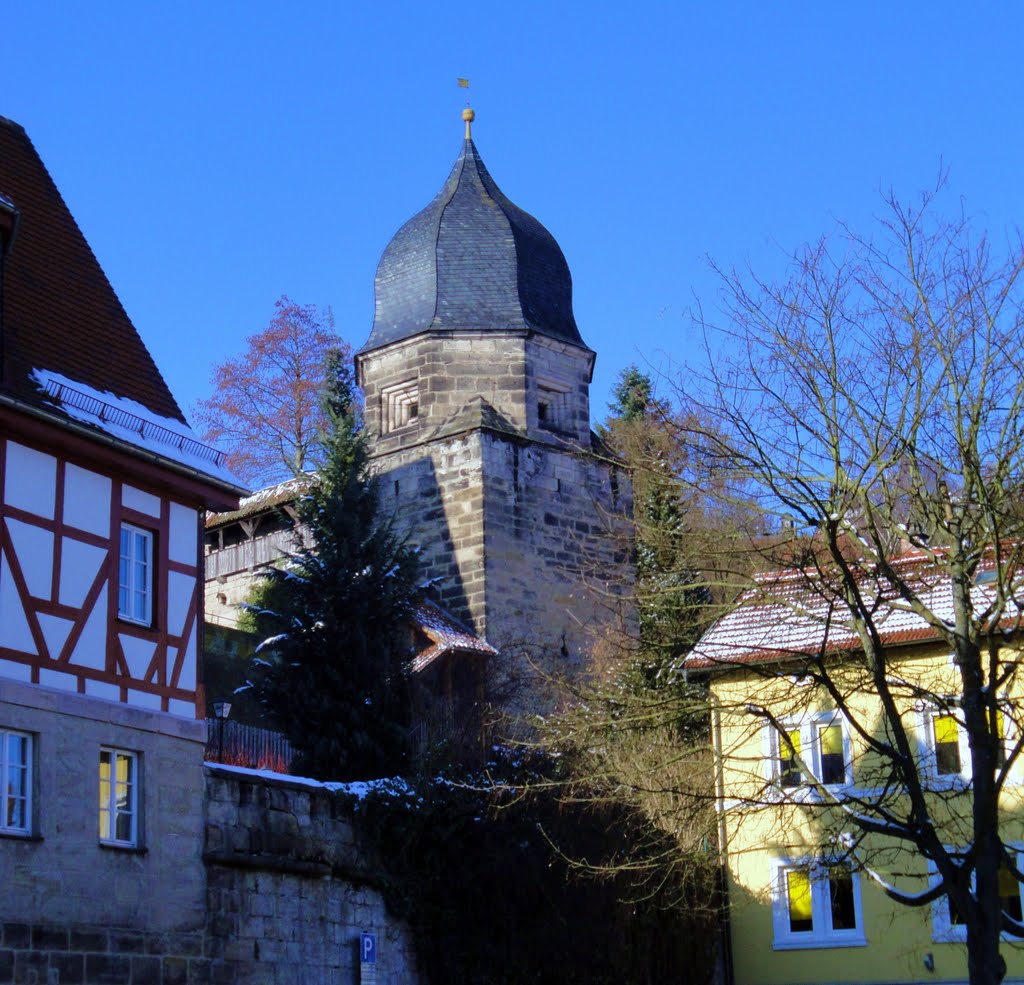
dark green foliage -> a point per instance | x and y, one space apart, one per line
227 654
332 672
671 597
491 902
339 392
633 396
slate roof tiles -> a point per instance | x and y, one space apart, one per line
472 260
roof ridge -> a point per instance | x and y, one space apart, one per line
6 121
460 166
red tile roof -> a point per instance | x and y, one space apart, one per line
792 613
446 635
261 501
60 313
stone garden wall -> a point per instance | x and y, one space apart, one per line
288 894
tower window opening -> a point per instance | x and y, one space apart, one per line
552 407
399 405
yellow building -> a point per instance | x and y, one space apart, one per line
832 769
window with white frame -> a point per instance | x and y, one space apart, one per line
816 903
16 774
822 742
947 922
135 584
945 747
119 797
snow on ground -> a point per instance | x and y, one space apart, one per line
354 788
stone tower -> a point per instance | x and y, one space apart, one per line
477 405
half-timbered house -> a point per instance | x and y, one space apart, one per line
103 490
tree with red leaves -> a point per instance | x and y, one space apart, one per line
268 405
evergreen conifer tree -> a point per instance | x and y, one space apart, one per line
670 598
331 673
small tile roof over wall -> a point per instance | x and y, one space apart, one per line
446 635
261 501
792 613
472 260
61 316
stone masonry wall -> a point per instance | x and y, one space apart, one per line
240 878
556 549
75 910
288 890
528 541
520 529
62 872
506 369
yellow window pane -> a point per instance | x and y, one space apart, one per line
122 769
946 730
794 737
831 737
798 886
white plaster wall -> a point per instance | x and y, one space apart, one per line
91 649
14 631
87 500
55 632
179 595
136 499
184 531
137 654
187 677
80 564
30 481
33 547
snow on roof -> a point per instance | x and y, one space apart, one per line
792 613
134 423
446 635
262 500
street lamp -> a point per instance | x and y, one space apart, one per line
221 710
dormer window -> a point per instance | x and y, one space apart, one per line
399 405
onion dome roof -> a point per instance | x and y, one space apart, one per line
472 260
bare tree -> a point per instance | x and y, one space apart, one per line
873 403
269 405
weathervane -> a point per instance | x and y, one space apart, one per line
467 114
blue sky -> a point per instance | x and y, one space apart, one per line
219 154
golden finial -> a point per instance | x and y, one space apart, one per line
469 116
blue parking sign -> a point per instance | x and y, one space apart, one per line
368 948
